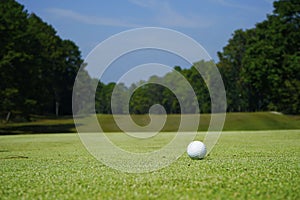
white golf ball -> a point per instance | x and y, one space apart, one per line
196 150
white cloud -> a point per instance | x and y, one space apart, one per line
92 20
144 3
270 1
236 4
165 15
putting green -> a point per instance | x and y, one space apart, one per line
243 165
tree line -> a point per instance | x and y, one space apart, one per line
157 90
37 67
260 68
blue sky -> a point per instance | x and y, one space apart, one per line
209 22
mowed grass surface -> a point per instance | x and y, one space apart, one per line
234 122
39 125
243 165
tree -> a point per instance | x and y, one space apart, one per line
260 66
37 67
230 66
13 25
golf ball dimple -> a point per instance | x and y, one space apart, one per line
196 150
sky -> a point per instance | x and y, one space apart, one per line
209 22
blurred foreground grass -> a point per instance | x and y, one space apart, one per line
243 165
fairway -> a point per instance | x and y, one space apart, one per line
234 122
243 165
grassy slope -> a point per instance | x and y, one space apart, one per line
261 121
256 165
234 121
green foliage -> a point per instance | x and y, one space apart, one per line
159 90
37 67
103 97
260 66
260 69
243 165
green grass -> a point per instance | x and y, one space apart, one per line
243 165
234 122
39 125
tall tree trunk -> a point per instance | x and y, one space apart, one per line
8 116
56 108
